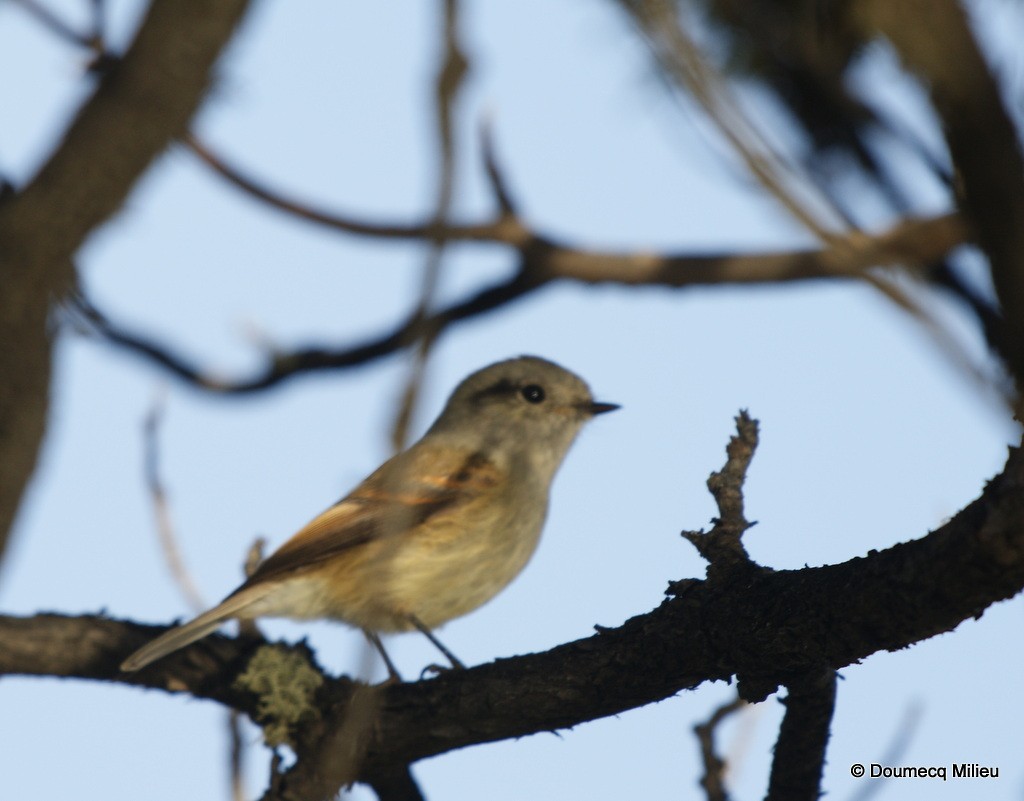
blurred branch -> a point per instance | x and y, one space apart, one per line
800 750
683 63
801 53
981 136
161 510
988 386
542 261
236 757
895 751
141 103
766 627
250 630
283 366
93 41
450 78
713 780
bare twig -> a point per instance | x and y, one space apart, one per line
253 557
495 174
236 757
161 510
237 746
55 24
901 738
450 78
682 61
713 780
986 385
723 546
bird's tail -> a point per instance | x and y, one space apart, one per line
206 623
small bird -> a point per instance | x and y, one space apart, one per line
436 531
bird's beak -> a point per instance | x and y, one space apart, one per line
596 407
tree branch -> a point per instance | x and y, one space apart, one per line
982 139
542 261
713 780
800 750
141 103
765 627
723 545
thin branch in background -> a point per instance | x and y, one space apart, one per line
94 41
281 367
713 780
682 60
237 749
903 735
945 342
417 370
450 79
98 32
914 241
253 558
161 509
183 579
236 757
303 210
49 20
495 174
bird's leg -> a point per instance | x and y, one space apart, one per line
437 643
393 675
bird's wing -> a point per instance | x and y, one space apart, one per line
402 494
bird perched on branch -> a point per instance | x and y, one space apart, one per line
436 531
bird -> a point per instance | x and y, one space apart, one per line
436 531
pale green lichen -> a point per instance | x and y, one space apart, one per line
285 684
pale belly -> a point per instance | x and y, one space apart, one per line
436 576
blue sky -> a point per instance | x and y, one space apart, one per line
869 437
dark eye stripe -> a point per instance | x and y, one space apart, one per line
503 387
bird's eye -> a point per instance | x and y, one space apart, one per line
532 393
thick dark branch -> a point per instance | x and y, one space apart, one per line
767 628
800 750
396 785
142 102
